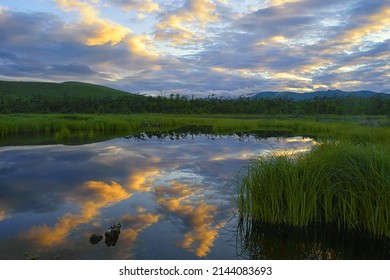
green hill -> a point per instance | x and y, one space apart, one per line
57 90
67 97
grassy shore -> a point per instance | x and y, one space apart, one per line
66 125
344 184
344 181
359 128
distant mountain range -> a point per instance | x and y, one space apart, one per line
319 94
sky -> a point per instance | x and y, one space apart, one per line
199 47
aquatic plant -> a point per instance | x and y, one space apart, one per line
338 183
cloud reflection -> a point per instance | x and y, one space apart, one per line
202 234
134 224
3 215
104 195
183 201
173 186
292 146
141 181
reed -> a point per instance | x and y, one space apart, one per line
61 125
52 123
341 183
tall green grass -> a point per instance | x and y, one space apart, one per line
63 124
51 123
339 183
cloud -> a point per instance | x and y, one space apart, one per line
145 6
42 46
367 25
70 69
142 46
96 30
183 26
280 2
275 21
201 46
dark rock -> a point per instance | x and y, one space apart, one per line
95 238
112 234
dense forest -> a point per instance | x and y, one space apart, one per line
85 98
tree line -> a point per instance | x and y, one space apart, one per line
179 104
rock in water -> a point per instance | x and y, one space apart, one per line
95 238
112 234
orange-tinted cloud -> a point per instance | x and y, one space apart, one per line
180 27
370 24
281 2
142 46
96 30
145 6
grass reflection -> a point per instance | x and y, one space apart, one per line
266 241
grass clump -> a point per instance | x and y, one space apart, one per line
342 183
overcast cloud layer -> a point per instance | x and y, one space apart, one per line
223 47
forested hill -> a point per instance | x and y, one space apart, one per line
67 97
55 90
74 97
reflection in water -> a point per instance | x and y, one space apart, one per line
266 241
104 195
136 224
141 181
172 196
3 216
196 214
112 234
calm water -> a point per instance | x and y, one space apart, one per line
174 197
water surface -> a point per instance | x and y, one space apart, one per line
173 195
